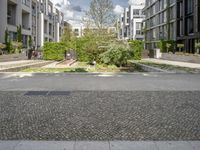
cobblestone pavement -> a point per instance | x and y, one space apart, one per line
101 116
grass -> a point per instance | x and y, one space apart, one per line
85 67
54 70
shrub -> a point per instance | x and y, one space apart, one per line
19 33
166 46
30 41
197 45
180 45
9 47
54 51
117 54
82 51
89 48
137 48
2 46
16 47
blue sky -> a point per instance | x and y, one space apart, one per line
74 10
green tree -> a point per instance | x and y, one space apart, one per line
67 35
8 42
30 41
19 34
6 36
101 12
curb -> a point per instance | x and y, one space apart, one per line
99 145
150 68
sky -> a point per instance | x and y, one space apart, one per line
74 10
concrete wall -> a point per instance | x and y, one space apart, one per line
3 24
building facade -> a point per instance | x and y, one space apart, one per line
188 24
130 23
160 22
38 19
176 20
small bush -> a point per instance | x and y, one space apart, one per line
117 54
17 47
137 48
54 51
2 46
166 46
197 45
9 47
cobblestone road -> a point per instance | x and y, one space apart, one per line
101 116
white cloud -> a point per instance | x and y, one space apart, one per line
63 2
136 2
69 14
118 9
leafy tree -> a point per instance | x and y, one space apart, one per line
6 36
30 41
101 13
8 42
67 35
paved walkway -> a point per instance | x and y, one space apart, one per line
13 57
95 145
61 64
175 63
21 63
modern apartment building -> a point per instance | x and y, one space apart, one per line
39 19
188 24
130 23
78 31
160 21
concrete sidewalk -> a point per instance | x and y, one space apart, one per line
174 63
96 145
17 65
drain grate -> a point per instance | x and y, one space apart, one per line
59 93
47 93
36 93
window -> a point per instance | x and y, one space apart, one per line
136 12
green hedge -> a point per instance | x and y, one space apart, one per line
81 51
137 47
88 49
163 46
54 51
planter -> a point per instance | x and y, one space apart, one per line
157 53
197 52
